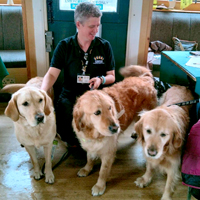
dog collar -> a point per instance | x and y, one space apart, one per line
84 140
120 113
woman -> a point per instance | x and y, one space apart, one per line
88 63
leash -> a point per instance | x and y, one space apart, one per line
64 156
92 87
186 103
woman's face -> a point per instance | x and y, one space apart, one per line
89 28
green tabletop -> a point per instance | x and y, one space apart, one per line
3 72
173 69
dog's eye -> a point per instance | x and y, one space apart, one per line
109 108
40 100
98 112
162 134
149 131
25 103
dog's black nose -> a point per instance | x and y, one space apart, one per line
134 135
152 151
39 117
114 128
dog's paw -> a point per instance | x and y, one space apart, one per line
83 172
49 178
38 175
166 196
97 190
141 182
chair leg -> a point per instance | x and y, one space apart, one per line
189 193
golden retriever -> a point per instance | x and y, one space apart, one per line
162 131
100 115
32 111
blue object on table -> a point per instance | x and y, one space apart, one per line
3 72
174 71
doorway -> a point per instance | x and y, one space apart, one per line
114 28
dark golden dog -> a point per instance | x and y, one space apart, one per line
100 115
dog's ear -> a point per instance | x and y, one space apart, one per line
176 139
178 125
77 116
48 103
138 126
12 109
80 121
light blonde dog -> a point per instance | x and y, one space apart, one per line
162 131
32 112
100 115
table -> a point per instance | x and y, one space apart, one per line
174 71
3 72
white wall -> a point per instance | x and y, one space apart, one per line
40 25
133 37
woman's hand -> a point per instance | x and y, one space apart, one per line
95 82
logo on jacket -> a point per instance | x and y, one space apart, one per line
98 60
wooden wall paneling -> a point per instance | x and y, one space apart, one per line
145 29
19 74
28 24
15 1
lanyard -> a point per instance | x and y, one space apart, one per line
84 64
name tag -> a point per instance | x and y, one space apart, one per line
83 78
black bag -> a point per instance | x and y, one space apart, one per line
160 86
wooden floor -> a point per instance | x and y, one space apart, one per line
17 182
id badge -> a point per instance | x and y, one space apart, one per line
83 78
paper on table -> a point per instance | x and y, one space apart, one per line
194 62
195 53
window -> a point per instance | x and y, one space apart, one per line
104 6
183 5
